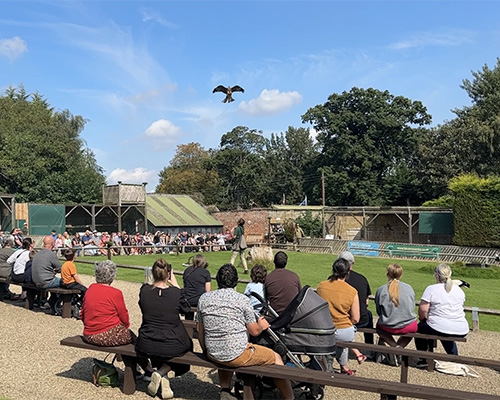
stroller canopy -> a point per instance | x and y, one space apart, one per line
306 326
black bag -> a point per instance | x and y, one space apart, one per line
184 303
105 373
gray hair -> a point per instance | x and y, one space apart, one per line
105 272
8 241
443 275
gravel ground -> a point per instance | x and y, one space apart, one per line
33 365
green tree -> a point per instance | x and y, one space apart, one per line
241 167
42 156
368 141
470 143
289 156
188 173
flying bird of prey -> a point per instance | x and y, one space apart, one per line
228 91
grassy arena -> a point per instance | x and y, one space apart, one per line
313 268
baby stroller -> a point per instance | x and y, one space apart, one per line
303 330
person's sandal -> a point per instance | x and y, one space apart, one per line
361 358
347 371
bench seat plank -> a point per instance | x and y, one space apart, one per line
296 374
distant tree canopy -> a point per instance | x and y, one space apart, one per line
42 157
369 141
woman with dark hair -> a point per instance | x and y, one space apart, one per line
19 259
258 275
197 281
162 334
343 302
239 245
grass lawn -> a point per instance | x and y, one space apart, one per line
313 268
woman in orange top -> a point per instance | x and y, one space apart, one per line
343 302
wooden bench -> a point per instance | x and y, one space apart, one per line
433 338
250 375
32 290
406 354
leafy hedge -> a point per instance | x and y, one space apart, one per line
459 270
476 210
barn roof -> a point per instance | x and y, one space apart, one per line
177 210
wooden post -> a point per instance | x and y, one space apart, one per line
475 319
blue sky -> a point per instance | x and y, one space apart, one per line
142 73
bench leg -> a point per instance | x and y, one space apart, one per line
248 386
430 361
30 298
66 307
129 374
384 396
404 369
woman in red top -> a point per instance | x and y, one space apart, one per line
105 316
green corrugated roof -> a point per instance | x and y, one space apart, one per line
177 210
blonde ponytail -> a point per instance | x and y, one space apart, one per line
443 275
394 273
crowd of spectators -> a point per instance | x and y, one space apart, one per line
223 331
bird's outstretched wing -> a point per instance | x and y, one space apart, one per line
237 88
220 88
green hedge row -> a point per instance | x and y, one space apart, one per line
476 210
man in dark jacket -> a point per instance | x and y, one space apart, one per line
360 283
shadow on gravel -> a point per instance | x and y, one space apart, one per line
187 386
81 370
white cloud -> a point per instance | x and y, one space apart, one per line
12 48
270 102
163 129
137 175
455 38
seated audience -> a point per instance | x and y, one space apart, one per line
395 304
6 267
104 314
162 334
343 302
223 332
258 275
19 259
76 243
196 280
441 312
281 285
44 267
69 276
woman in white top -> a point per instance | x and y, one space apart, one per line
19 258
441 312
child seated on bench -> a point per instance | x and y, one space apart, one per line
70 278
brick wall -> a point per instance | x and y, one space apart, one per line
256 221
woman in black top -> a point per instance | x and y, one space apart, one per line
196 282
162 334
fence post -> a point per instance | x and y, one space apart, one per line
475 319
